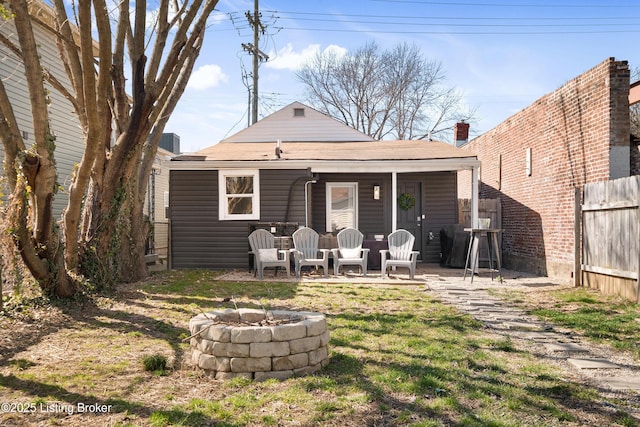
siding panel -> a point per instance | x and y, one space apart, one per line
440 200
200 240
373 215
64 123
439 205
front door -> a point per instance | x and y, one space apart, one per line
410 217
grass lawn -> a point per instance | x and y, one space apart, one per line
398 357
603 319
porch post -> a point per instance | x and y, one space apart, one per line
394 201
475 195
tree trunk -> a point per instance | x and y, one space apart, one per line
114 228
104 227
134 255
44 261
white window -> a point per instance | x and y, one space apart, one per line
166 204
342 205
239 194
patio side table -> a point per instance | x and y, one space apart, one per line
491 236
374 261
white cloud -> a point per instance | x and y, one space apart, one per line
207 77
217 18
288 59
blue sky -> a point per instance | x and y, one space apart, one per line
501 55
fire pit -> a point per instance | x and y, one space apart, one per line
259 344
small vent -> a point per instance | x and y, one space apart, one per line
298 112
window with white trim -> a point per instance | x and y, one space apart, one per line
342 205
239 194
165 204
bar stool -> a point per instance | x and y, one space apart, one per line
491 234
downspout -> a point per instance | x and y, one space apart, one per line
308 176
306 199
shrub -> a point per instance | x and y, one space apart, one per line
155 363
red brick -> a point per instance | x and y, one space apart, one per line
570 133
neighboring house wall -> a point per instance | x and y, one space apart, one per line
69 144
575 135
63 122
200 240
156 203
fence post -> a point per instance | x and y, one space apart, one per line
577 237
638 255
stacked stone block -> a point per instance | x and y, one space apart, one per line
259 344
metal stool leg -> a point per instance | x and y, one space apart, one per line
472 256
490 250
497 254
466 263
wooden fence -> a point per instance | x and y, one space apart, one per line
487 208
608 221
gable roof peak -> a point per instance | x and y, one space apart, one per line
298 122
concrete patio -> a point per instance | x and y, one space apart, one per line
425 275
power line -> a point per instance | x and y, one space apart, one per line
511 5
462 18
375 31
598 25
469 25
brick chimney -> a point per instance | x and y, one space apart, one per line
460 133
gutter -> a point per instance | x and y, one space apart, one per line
332 166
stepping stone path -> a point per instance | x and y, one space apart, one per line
510 321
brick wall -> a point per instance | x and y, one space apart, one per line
572 136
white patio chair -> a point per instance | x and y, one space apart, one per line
266 254
305 251
400 252
350 250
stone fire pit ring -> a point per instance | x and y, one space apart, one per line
259 344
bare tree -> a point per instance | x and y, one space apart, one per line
394 93
125 81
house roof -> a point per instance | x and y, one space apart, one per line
332 151
313 140
372 156
298 122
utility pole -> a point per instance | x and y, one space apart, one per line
258 55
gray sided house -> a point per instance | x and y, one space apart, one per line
300 167
63 121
